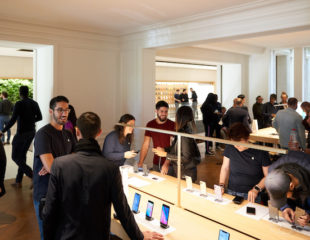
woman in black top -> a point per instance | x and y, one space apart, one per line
190 155
246 168
305 106
116 147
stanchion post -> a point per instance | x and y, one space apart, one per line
179 171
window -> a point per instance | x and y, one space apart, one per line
306 74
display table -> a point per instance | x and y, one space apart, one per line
223 214
266 135
187 225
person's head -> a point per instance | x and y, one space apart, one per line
162 108
23 91
223 110
239 133
184 90
184 116
59 110
178 90
191 89
259 99
88 125
125 132
4 94
273 98
284 97
292 103
305 106
239 102
242 97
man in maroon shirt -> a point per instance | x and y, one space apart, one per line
160 140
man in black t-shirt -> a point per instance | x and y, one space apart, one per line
51 141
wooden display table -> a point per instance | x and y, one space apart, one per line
188 225
266 135
223 214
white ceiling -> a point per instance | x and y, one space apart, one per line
258 45
105 16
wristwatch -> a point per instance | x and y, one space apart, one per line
257 188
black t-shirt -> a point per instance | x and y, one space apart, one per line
48 140
245 168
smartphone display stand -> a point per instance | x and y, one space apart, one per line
218 193
189 184
273 213
145 170
203 189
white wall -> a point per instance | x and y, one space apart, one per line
16 67
231 83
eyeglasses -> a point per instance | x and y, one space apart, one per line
60 110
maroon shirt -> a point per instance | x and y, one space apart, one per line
160 139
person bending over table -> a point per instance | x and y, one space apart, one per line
245 167
116 147
190 155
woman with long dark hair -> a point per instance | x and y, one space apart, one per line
190 155
116 147
71 123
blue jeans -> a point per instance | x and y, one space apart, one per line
244 195
4 119
40 222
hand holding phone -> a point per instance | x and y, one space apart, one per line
164 216
149 210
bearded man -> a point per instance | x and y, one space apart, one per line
50 141
160 140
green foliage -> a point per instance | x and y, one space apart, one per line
11 86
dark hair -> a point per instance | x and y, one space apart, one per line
72 116
238 131
23 91
242 96
89 124
120 129
178 90
184 89
274 96
259 96
57 99
306 106
161 104
5 94
183 116
292 101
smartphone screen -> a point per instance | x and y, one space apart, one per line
164 216
149 210
136 202
238 200
250 210
223 235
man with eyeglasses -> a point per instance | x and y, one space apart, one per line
51 141
26 112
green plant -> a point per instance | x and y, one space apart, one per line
11 86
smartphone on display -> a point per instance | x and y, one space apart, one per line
149 210
250 210
164 216
136 202
238 200
223 235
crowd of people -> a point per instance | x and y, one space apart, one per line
73 193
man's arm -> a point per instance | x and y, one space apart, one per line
144 149
301 133
38 114
47 160
51 208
